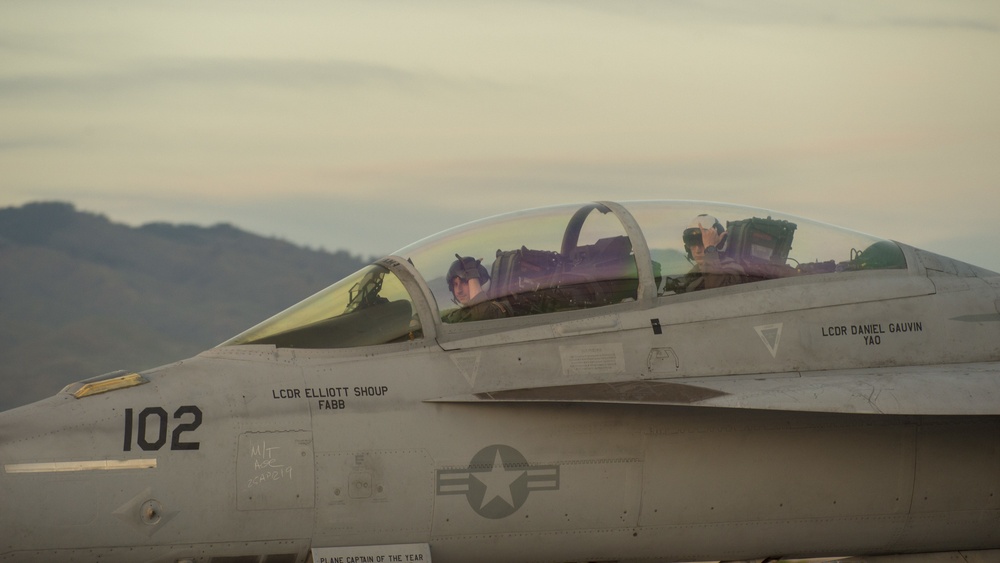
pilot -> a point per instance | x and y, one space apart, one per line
466 278
704 241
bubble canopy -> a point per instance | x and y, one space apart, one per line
563 258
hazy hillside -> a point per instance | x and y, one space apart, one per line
81 296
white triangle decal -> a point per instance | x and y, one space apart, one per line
468 364
771 335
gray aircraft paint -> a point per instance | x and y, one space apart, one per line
844 412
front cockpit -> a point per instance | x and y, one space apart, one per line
366 308
566 258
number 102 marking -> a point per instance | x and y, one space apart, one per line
143 423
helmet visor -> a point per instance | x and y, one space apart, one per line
692 237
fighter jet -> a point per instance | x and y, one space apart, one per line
637 381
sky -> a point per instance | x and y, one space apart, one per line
367 125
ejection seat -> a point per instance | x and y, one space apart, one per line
761 247
541 281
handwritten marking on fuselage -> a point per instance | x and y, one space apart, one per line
872 332
264 460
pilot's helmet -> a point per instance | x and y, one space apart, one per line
458 270
692 234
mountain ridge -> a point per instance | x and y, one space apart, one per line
81 295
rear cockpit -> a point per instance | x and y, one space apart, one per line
566 258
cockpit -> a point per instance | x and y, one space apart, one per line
564 258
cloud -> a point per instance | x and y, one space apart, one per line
976 17
210 73
944 24
27 143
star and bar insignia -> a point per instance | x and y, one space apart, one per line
497 481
